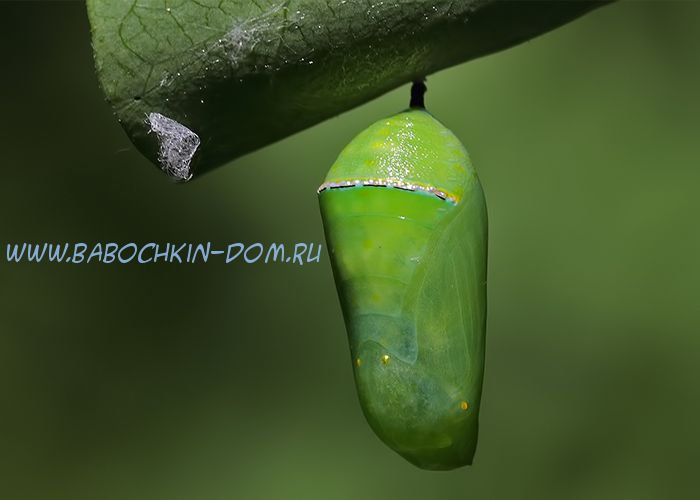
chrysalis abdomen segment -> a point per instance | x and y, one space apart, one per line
410 268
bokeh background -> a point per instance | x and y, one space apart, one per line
218 382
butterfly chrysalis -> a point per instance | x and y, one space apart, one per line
405 222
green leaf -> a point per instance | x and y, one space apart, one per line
196 83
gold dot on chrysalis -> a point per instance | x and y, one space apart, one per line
386 359
358 362
464 405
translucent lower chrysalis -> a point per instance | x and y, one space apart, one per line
405 222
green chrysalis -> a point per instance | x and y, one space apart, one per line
405 222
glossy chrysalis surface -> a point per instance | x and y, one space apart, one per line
405 222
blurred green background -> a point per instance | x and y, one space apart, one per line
218 382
